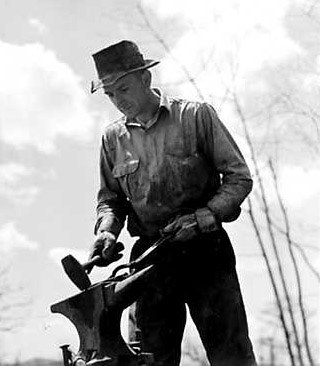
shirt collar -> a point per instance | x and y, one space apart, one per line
164 100
164 104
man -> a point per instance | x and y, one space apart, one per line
170 166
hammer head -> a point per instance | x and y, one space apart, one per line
76 272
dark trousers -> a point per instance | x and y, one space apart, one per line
200 273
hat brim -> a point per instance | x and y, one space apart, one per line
112 78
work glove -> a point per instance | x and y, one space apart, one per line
183 228
187 227
107 248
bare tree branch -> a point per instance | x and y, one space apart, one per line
294 261
273 281
12 302
311 7
263 200
168 50
270 229
300 248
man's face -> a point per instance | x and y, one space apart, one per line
128 94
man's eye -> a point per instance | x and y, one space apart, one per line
124 89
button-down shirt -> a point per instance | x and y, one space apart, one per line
182 160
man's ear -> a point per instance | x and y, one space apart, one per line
146 78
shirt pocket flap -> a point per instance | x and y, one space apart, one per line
128 167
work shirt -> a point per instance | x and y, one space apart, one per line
183 160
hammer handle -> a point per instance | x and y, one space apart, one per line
156 245
91 263
147 255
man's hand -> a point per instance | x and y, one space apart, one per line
107 248
183 227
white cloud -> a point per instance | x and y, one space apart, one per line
298 185
13 183
38 25
11 239
231 40
41 98
12 172
56 254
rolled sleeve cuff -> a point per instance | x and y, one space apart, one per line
207 222
110 224
225 212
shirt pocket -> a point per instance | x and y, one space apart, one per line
123 172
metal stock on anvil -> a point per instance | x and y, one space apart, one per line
96 311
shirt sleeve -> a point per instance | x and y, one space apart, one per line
112 204
223 153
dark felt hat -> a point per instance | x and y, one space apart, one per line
116 61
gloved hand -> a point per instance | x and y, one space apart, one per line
107 248
184 228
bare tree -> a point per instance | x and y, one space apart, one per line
295 264
279 107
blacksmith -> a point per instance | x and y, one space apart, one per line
170 166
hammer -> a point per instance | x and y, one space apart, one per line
77 271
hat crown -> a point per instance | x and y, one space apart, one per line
120 57
117 61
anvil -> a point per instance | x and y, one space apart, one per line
96 313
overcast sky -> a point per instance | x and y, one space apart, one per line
50 129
